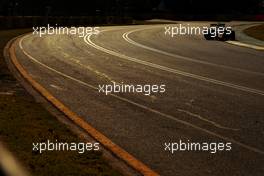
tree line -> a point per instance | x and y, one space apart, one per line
127 7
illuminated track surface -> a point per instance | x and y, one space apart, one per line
214 93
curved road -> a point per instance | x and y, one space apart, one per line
214 93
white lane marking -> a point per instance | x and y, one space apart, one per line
90 68
246 45
206 120
129 40
56 87
253 149
171 70
7 93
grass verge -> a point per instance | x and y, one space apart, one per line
256 32
23 122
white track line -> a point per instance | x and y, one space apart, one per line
206 120
171 70
129 40
246 45
253 149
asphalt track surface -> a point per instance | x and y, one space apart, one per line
214 93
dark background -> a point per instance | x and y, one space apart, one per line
141 9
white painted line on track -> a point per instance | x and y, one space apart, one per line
167 116
206 120
171 70
246 45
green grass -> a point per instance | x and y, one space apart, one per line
23 122
256 32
